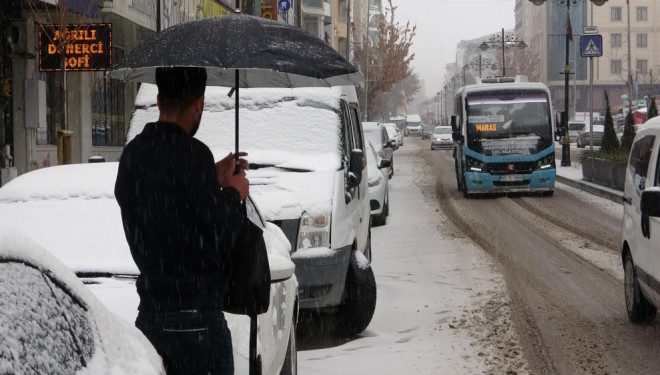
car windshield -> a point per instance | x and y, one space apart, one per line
444 130
507 122
575 126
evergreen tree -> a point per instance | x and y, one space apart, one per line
610 142
628 133
653 110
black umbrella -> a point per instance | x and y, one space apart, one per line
241 51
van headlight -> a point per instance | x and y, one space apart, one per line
314 231
374 181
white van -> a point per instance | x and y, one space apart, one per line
640 234
414 125
308 176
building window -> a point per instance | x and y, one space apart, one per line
616 40
642 66
642 14
642 40
108 109
615 14
615 67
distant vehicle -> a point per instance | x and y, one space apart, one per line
376 133
400 122
52 323
505 137
427 130
441 138
413 125
575 128
394 134
379 196
640 232
583 138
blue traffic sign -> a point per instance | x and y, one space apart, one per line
284 5
591 45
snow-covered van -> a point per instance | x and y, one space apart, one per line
308 175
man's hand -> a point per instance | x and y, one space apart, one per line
227 176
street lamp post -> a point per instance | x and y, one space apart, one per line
502 42
479 63
566 140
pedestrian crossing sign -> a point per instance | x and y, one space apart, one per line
591 45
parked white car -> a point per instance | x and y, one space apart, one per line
640 234
379 197
52 324
394 134
308 174
71 211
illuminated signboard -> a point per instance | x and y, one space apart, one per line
86 47
486 127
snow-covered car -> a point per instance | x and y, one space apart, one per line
379 197
394 133
308 175
640 232
72 212
441 138
50 323
427 130
376 133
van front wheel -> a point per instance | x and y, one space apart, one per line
640 310
355 313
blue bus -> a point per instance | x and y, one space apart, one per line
504 135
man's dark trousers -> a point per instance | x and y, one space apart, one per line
190 342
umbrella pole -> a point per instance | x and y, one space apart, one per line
236 162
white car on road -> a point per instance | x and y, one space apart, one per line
379 197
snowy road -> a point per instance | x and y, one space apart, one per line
441 307
562 269
500 285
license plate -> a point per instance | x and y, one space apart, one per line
512 177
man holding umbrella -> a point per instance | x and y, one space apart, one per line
182 216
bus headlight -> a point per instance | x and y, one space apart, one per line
474 165
547 162
314 231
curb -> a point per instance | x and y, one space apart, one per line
613 195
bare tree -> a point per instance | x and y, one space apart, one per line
387 61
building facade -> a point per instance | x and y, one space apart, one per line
47 117
630 55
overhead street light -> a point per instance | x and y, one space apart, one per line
566 140
503 41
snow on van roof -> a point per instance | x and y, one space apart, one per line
414 118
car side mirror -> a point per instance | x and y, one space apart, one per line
384 163
281 268
355 170
650 203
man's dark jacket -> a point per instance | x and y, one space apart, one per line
179 223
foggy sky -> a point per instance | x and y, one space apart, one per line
441 24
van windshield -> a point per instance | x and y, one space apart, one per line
575 125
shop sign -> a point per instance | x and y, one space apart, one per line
84 47
269 9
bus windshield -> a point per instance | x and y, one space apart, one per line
508 122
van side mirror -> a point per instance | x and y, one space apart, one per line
454 123
384 163
355 170
650 204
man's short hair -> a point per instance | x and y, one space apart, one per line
179 87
